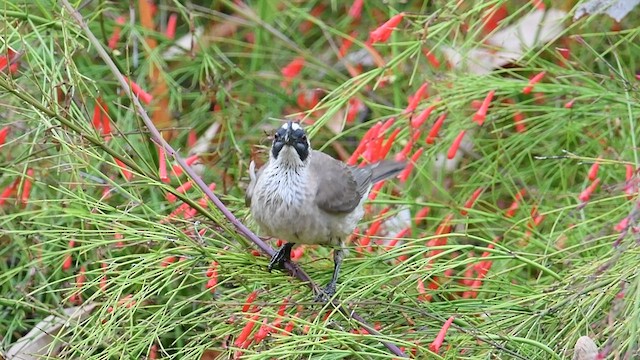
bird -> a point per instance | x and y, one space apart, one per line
304 196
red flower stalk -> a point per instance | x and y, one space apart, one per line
246 331
593 171
472 200
421 215
3 135
415 99
293 68
113 40
171 26
10 189
168 261
433 60
453 150
180 190
534 80
250 299
144 96
435 129
394 240
481 114
417 121
356 9
404 175
123 168
515 205
585 195
383 32
162 165
26 187
435 345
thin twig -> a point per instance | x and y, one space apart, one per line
157 137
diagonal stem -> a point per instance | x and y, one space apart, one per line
157 137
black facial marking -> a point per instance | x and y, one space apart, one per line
297 138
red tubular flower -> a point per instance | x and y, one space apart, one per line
262 332
168 261
246 331
180 190
569 104
373 229
421 215
417 121
518 120
26 187
177 169
534 80
250 299
153 352
394 240
404 175
402 155
103 279
356 9
629 187
453 150
585 195
472 200
144 96
435 129
593 171
481 114
368 137
10 189
293 68
435 345
433 60
515 205
113 40
66 264
383 32
346 44
415 99
493 17
375 189
162 165
171 26
123 168
192 138
386 147
3 135
564 53
297 252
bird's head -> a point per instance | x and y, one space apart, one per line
290 145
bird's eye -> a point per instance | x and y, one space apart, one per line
304 138
276 136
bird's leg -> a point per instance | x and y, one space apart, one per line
283 254
330 290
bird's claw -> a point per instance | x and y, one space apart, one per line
278 259
325 295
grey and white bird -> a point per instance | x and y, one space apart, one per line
304 196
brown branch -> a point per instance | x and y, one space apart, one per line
157 137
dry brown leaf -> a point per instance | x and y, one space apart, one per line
42 339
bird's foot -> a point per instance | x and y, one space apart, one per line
325 295
278 259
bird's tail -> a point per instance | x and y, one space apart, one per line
386 169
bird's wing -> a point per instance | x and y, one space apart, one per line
340 187
252 184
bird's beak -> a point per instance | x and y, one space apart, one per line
288 138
